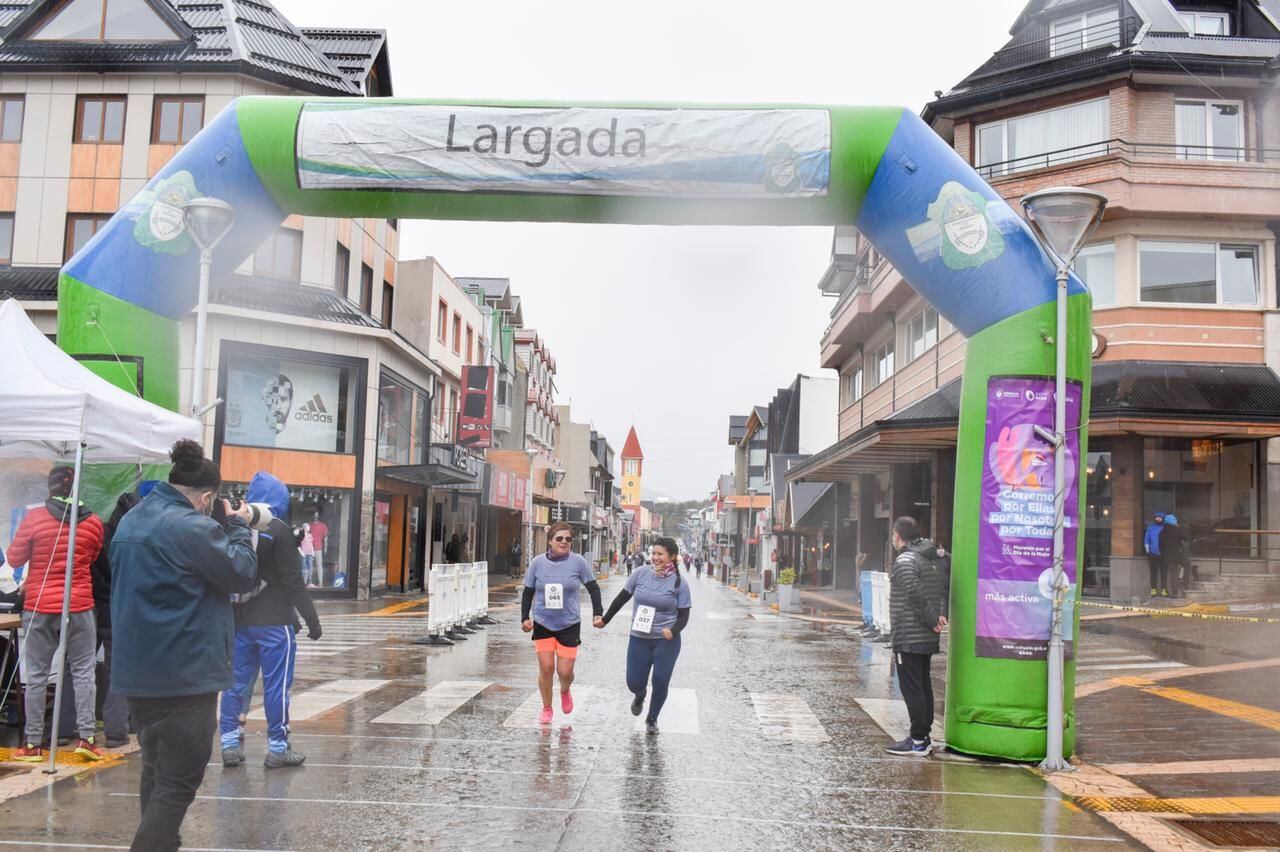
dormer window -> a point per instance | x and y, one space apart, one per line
1085 31
104 20
1206 23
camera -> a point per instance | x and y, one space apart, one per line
259 513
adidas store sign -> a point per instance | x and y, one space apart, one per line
313 411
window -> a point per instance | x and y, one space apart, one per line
105 20
1042 139
341 269
388 303
1198 273
442 322
457 334
1206 23
6 239
1209 130
290 401
80 228
855 384
366 288
1085 31
176 119
453 411
11 109
402 415
631 467
756 457
1096 266
280 256
882 362
922 333
469 356
99 120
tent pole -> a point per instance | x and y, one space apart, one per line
60 655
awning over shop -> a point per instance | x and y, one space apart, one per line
1127 397
448 466
809 501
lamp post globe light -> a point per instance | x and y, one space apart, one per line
1062 219
208 220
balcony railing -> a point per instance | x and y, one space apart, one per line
1133 150
1074 47
502 417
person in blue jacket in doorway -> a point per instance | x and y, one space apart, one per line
660 612
1151 543
266 628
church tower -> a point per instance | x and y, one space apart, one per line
632 469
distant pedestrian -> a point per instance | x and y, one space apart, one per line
1155 564
174 570
1173 556
41 543
697 566
307 549
660 612
453 549
549 610
266 632
320 536
915 622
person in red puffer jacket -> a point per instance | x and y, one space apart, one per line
41 543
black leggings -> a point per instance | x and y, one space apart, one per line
658 655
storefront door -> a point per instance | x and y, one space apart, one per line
396 543
415 543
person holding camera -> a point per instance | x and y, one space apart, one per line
266 628
173 571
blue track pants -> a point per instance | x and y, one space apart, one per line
274 650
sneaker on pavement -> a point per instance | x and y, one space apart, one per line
566 703
30 753
910 748
650 726
232 757
89 750
544 718
283 759
637 705
117 742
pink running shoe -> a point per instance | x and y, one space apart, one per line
566 703
544 718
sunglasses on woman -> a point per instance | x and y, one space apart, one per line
563 538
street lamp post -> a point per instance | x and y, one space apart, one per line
208 220
1062 219
560 472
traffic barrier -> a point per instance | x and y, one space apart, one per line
867 597
880 602
457 603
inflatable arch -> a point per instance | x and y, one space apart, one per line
881 169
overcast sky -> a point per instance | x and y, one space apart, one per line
672 329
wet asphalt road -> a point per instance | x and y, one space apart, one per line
765 745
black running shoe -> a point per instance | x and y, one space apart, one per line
637 705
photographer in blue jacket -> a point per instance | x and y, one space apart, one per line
173 571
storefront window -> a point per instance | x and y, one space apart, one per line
326 514
403 412
1209 484
289 403
1096 559
381 538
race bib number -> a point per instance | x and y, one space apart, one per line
643 622
553 596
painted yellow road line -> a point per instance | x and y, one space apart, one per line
399 606
1086 689
1225 805
1260 716
1196 767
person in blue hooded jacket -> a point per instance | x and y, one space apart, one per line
266 631
173 570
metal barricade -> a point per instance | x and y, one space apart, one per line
880 601
458 602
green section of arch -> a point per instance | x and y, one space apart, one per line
996 707
84 314
859 136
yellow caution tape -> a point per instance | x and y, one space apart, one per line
1184 613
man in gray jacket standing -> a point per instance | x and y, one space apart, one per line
915 600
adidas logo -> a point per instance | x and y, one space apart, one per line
313 411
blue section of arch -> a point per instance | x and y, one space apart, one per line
895 217
127 259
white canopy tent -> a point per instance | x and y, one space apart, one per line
52 407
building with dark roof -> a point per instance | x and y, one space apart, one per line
93 103
1171 109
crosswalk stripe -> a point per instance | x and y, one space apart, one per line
1090 651
526 715
679 714
762 616
786 717
434 705
1112 667
321 699
1134 658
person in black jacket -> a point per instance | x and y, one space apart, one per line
1173 553
915 621
266 627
